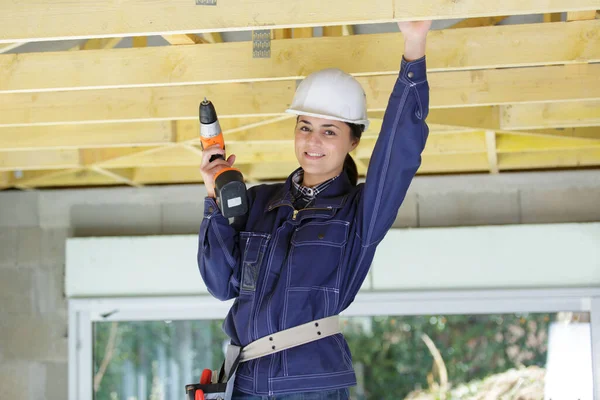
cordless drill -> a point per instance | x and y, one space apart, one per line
230 188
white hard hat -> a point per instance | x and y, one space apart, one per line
332 94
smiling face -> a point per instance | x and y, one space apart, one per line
321 147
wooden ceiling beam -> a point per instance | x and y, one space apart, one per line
87 135
549 160
270 99
551 115
478 22
260 151
581 15
376 54
76 19
185 39
122 176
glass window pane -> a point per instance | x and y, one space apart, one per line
395 357
524 356
153 360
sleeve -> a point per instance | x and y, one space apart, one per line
394 162
397 153
218 252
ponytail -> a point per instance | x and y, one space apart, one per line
350 169
349 164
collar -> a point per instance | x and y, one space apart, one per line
333 196
307 192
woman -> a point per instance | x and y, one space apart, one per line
304 248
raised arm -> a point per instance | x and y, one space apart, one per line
397 153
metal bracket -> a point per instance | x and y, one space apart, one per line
261 44
206 2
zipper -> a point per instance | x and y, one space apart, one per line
295 212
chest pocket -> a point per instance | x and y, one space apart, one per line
253 246
317 249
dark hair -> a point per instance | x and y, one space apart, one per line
349 164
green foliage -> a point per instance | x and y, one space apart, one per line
391 357
139 342
397 360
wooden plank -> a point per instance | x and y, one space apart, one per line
139 41
490 140
160 103
581 15
4 180
549 160
212 37
488 118
72 178
592 132
252 152
470 142
299 33
552 17
337 30
122 175
28 179
38 159
282 34
161 156
551 115
104 156
86 136
171 175
453 163
515 85
477 22
485 47
485 118
263 99
98 44
75 19
517 144
185 39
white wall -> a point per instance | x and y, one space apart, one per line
510 256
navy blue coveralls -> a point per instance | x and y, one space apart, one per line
286 267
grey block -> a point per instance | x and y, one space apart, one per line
34 337
116 219
19 209
467 209
408 213
57 384
53 246
8 247
29 247
16 294
566 205
48 290
183 218
22 380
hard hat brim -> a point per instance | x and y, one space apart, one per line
364 122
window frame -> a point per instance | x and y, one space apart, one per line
83 312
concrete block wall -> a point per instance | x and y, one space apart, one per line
35 224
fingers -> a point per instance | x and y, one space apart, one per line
231 159
215 165
208 152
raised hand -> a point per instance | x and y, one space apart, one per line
415 38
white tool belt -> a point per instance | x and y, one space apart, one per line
274 343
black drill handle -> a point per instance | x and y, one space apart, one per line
215 156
